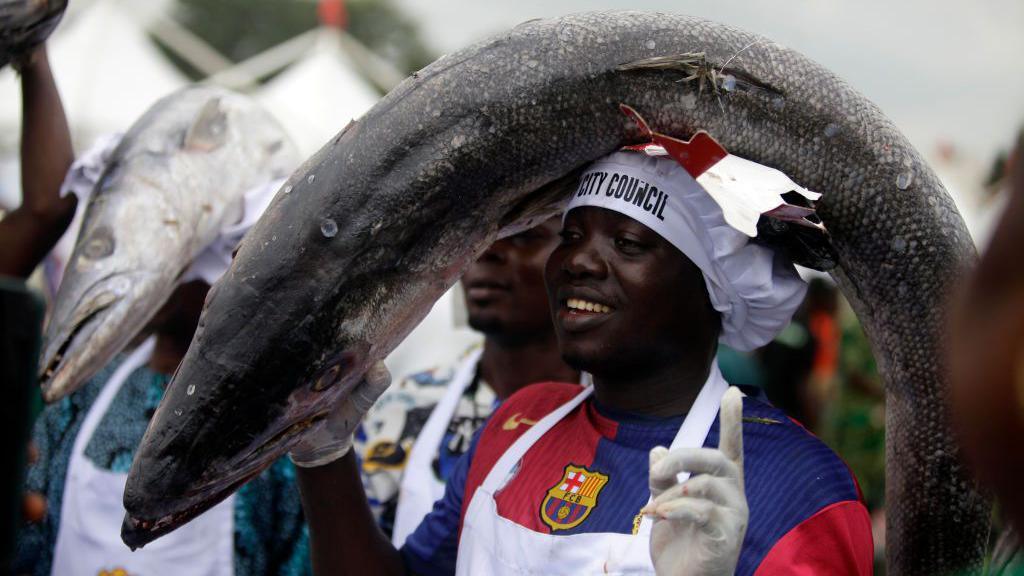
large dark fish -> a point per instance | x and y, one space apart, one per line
24 24
177 177
385 217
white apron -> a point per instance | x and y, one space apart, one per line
420 487
89 541
493 545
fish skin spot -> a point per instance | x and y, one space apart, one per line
329 228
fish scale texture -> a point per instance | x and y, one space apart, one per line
429 176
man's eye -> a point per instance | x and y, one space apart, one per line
628 245
569 236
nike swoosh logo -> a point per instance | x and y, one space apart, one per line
514 421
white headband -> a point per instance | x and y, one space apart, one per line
755 290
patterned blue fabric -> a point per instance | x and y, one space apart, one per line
270 533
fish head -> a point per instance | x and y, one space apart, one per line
168 189
129 255
201 463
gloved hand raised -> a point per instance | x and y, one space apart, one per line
334 439
699 524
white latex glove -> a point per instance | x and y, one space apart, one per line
333 440
699 524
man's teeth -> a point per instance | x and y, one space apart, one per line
578 304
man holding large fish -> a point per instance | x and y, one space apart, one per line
640 299
477 146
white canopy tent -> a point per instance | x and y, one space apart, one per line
319 94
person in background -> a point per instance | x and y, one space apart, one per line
85 444
986 360
411 439
823 323
787 361
27 234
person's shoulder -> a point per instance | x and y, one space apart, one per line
533 402
796 461
798 491
517 414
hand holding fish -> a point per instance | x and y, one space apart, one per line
334 439
699 524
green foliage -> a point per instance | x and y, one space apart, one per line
240 29
243 28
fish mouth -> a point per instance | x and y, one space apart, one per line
137 532
308 406
56 369
82 338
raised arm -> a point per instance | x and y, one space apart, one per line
343 536
29 232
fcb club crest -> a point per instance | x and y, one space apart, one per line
571 499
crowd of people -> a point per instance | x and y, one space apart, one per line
646 398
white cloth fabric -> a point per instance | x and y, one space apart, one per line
755 289
420 487
490 544
86 170
210 264
89 540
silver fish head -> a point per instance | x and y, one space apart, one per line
168 190
123 268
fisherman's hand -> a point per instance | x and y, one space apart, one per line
334 439
699 524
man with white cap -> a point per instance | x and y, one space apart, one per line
648 278
86 443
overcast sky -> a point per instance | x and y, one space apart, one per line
942 70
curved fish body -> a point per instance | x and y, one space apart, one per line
175 180
385 217
24 24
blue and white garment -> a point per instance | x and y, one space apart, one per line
270 535
387 434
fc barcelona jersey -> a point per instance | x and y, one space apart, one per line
588 474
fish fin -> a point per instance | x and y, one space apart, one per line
209 130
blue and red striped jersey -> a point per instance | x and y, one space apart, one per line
589 473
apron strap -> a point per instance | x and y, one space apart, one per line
424 449
508 460
697 424
111 387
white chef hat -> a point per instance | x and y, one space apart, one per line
213 261
755 289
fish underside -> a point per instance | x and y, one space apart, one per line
24 24
174 181
387 215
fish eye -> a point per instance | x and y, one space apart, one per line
100 245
